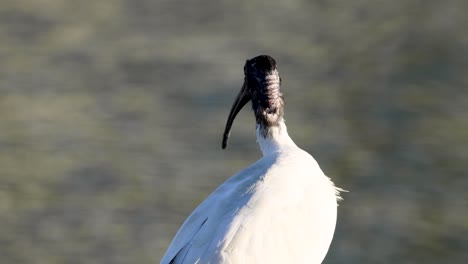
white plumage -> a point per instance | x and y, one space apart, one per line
281 209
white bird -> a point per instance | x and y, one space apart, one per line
281 209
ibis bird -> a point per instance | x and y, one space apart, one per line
281 209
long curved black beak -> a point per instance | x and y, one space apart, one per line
242 98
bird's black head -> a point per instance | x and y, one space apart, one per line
262 86
262 63
263 82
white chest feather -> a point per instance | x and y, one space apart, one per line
289 217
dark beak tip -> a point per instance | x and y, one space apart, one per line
224 144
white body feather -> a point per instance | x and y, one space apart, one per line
281 209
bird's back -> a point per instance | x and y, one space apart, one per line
281 209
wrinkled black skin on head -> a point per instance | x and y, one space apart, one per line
268 110
262 87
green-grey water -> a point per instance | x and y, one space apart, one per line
112 112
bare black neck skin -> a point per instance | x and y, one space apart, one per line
267 100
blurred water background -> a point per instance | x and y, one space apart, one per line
111 115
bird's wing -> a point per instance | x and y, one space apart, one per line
211 217
177 255
180 256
